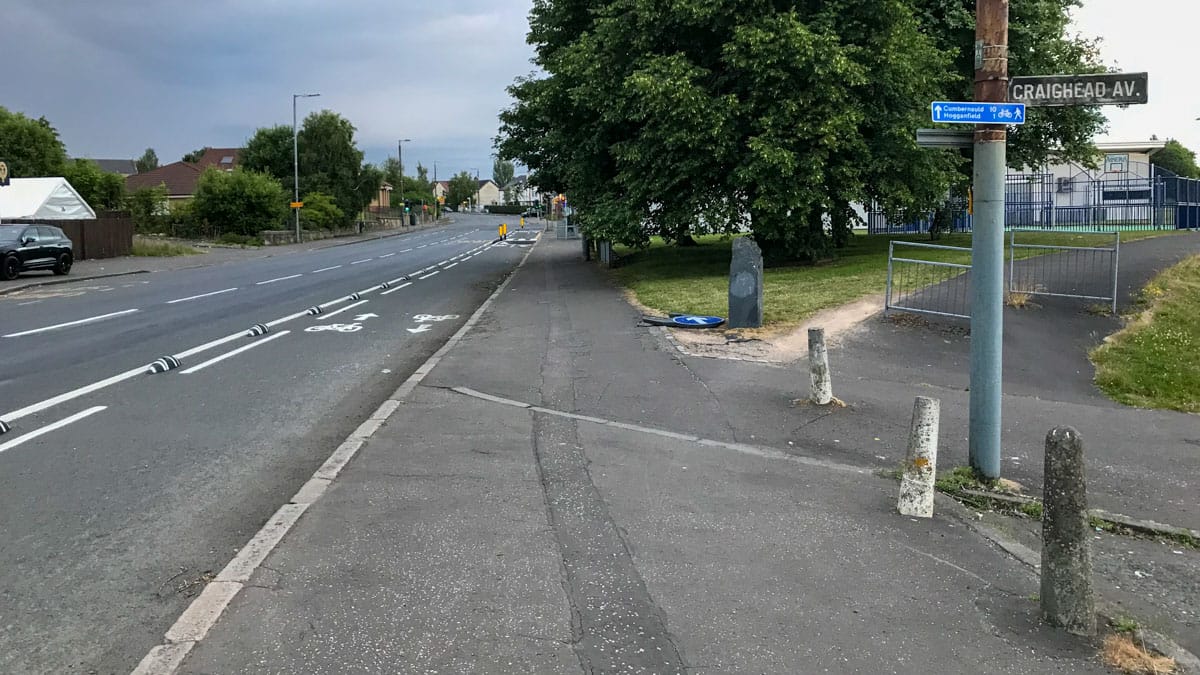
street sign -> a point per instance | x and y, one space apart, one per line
1065 90
968 112
296 205
694 321
945 138
3 174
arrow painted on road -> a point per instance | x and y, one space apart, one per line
364 317
421 329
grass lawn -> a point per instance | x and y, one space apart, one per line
695 280
1155 361
161 249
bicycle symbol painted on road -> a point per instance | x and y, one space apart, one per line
426 318
336 327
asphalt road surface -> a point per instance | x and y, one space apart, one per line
123 490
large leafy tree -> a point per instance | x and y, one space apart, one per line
503 172
1177 159
240 201
269 151
463 187
100 189
147 162
30 147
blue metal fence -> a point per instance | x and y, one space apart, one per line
1042 201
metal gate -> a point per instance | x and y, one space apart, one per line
1084 272
918 281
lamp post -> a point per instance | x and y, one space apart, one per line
296 159
476 197
400 154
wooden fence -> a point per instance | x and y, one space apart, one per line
110 235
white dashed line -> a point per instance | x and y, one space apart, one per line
51 427
359 262
68 324
451 265
339 311
32 302
397 288
422 245
387 255
235 352
434 273
202 295
325 269
406 250
271 281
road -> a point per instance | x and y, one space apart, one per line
122 490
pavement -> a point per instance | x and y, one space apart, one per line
558 490
123 491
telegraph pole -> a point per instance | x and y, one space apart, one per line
987 239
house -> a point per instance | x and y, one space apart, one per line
382 199
224 159
179 178
441 188
523 192
125 167
488 194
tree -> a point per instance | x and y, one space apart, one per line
195 155
462 188
331 162
30 147
147 207
1177 159
502 172
147 162
100 189
320 213
269 151
240 201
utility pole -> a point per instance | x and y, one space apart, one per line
987 240
296 159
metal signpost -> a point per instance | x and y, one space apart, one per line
1072 90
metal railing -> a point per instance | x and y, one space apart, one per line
937 287
1083 272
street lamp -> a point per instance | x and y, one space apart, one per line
296 159
476 197
400 154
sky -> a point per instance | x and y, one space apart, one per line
118 76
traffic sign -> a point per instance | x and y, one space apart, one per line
296 205
3 174
969 112
695 321
1071 90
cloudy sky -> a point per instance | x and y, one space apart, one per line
117 76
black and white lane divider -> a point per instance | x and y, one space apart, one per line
257 329
4 427
315 310
164 364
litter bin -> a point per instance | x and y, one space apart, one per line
412 219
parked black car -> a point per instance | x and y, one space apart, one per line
33 247
530 213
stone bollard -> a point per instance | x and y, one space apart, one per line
745 284
920 464
818 366
1066 593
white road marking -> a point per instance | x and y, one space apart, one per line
203 295
51 427
235 352
393 290
325 269
285 319
386 255
359 262
434 273
339 311
68 324
271 281
443 262
422 245
406 250
33 302
451 265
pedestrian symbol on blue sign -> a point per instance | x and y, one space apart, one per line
967 112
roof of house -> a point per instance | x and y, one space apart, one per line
222 158
125 167
180 178
1148 147
485 181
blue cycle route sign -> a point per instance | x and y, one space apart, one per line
968 112
694 321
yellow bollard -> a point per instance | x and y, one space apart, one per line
522 222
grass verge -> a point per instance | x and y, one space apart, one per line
161 249
695 280
1154 362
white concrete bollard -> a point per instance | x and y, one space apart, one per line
818 366
920 465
